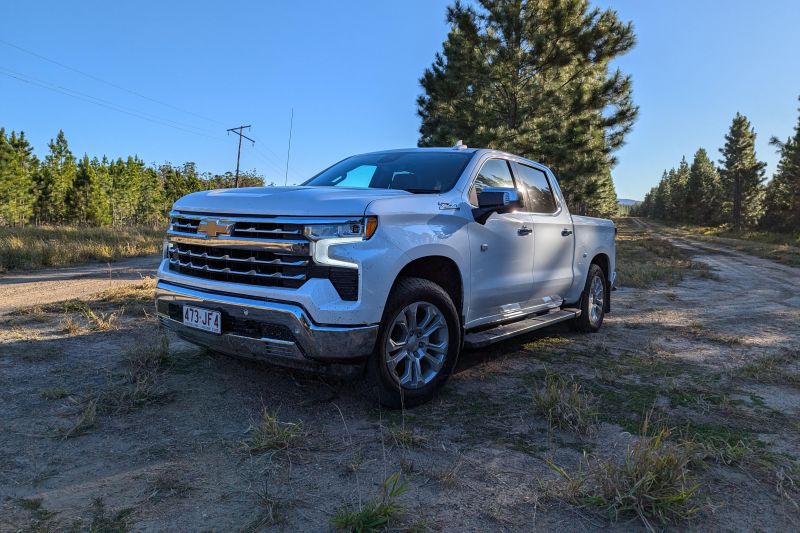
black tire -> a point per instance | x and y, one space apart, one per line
587 323
382 384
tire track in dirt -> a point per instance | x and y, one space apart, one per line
749 273
25 289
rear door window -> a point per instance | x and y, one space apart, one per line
537 186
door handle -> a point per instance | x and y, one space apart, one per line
566 232
524 230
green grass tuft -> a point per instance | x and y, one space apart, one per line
376 514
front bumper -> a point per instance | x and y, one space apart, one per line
278 332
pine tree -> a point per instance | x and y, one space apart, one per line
742 173
782 198
532 77
55 181
88 198
6 183
152 207
677 183
17 168
662 200
703 200
126 185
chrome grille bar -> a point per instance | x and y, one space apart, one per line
278 231
251 259
227 270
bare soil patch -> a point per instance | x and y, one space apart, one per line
108 427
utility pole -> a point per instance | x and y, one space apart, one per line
238 131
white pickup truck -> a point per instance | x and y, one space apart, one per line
386 263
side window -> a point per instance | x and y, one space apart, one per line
494 173
540 194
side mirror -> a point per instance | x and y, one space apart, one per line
496 200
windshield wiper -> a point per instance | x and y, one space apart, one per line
422 191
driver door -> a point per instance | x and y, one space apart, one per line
501 254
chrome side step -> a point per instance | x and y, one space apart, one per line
484 338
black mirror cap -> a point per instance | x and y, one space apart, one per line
498 197
496 200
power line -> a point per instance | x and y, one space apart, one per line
109 83
102 103
239 151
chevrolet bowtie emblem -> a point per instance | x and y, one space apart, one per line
213 228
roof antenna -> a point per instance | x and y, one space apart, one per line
460 145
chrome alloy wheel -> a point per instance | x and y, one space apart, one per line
597 299
417 345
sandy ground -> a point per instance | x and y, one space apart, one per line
45 286
475 459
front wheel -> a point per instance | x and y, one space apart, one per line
418 344
593 301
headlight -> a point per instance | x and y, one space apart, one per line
324 237
363 228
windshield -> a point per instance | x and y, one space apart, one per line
418 172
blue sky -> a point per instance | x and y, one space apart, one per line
350 70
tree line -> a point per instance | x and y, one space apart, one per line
63 189
733 193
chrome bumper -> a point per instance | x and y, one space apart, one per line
272 331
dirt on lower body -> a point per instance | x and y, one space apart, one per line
106 425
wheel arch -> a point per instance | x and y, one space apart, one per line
604 262
441 270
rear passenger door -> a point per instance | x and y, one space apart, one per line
554 241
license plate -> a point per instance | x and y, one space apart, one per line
205 319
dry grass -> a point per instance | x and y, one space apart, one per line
270 434
141 291
38 247
84 422
102 321
405 437
773 368
105 521
781 247
270 510
643 259
142 382
564 403
70 326
56 393
167 484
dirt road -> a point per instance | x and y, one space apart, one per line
46 286
715 356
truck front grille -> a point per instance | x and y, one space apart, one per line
258 251
241 266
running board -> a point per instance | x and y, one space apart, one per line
506 331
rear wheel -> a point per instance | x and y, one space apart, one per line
593 301
418 344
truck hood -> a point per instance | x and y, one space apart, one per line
285 201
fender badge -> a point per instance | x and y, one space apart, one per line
447 205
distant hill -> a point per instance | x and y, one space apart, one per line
626 201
